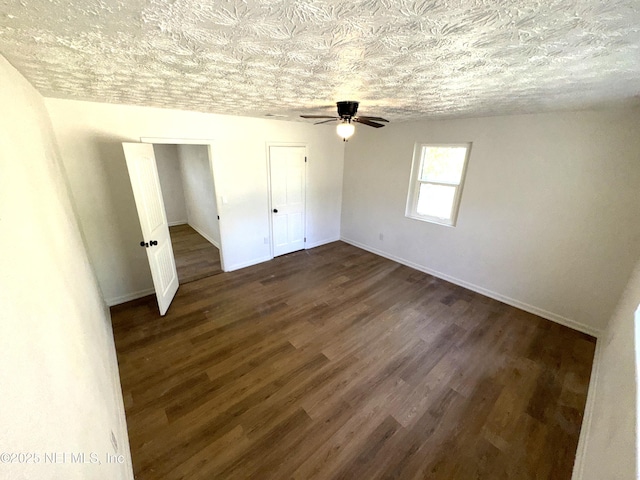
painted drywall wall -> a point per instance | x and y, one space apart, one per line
548 217
199 191
170 176
60 385
89 137
608 444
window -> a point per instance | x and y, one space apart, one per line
437 175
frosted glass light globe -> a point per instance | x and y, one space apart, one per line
345 130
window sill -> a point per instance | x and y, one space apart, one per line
438 221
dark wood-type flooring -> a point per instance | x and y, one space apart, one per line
335 363
195 256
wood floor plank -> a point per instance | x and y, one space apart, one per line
335 363
195 256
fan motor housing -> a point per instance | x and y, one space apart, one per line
347 109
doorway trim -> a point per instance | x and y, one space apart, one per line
268 146
209 143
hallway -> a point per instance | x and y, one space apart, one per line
195 256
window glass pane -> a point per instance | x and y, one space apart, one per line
435 200
442 164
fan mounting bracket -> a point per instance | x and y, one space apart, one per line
347 110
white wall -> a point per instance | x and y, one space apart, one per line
199 191
59 376
549 214
89 136
171 183
608 443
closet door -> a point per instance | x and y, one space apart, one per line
288 183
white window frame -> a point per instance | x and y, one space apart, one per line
415 182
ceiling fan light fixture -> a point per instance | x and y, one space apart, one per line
345 130
347 117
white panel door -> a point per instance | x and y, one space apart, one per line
143 173
287 171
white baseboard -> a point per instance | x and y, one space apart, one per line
321 242
128 297
250 263
209 239
178 222
585 430
554 317
122 436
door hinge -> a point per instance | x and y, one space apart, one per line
305 239
218 217
305 159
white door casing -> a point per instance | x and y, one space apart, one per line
288 188
143 173
209 143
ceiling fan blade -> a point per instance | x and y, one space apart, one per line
375 119
367 122
326 121
317 116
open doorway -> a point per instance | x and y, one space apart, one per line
189 196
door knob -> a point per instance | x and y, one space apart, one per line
153 242
275 210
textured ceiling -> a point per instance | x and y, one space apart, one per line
402 59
